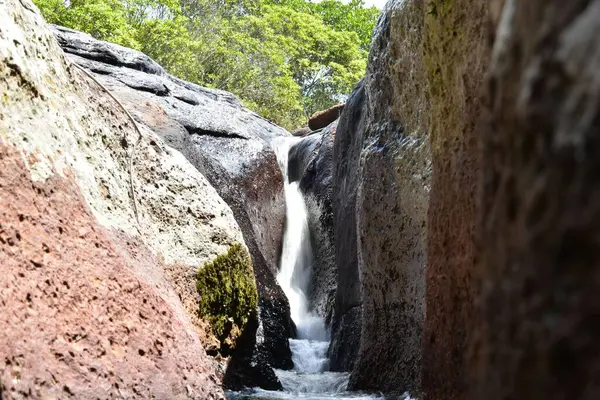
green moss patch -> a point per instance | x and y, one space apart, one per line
228 293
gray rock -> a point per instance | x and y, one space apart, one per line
392 203
346 158
381 196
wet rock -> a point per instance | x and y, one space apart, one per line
321 119
538 317
248 365
457 55
229 144
346 158
345 340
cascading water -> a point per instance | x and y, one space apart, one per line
310 378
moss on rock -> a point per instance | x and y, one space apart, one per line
228 293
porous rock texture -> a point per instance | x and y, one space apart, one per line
311 163
538 324
90 301
382 144
392 201
456 57
232 147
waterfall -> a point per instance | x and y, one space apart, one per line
296 266
310 379
309 349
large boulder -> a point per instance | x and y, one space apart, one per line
229 144
538 327
346 323
384 152
102 231
456 56
392 203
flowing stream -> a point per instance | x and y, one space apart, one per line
310 378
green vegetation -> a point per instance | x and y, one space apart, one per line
228 292
284 58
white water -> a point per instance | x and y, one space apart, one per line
310 378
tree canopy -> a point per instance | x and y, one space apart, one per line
284 58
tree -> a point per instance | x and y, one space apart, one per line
283 58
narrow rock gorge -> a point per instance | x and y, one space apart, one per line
433 237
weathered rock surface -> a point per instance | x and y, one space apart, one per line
229 144
391 205
321 119
538 328
94 297
311 163
456 57
345 326
381 194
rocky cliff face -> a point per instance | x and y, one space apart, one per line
392 200
109 225
387 149
539 264
96 298
346 324
502 247
408 133
230 145
457 56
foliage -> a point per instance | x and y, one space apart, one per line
227 291
284 58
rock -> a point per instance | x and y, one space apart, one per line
346 157
321 119
457 55
96 298
248 365
539 264
380 195
391 160
230 145
301 132
311 162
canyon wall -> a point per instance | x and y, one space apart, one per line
233 148
538 313
381 192
456 56
88 306
109 225
408 137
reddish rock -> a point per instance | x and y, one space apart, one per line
540 306
321 119
456 53
80 318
